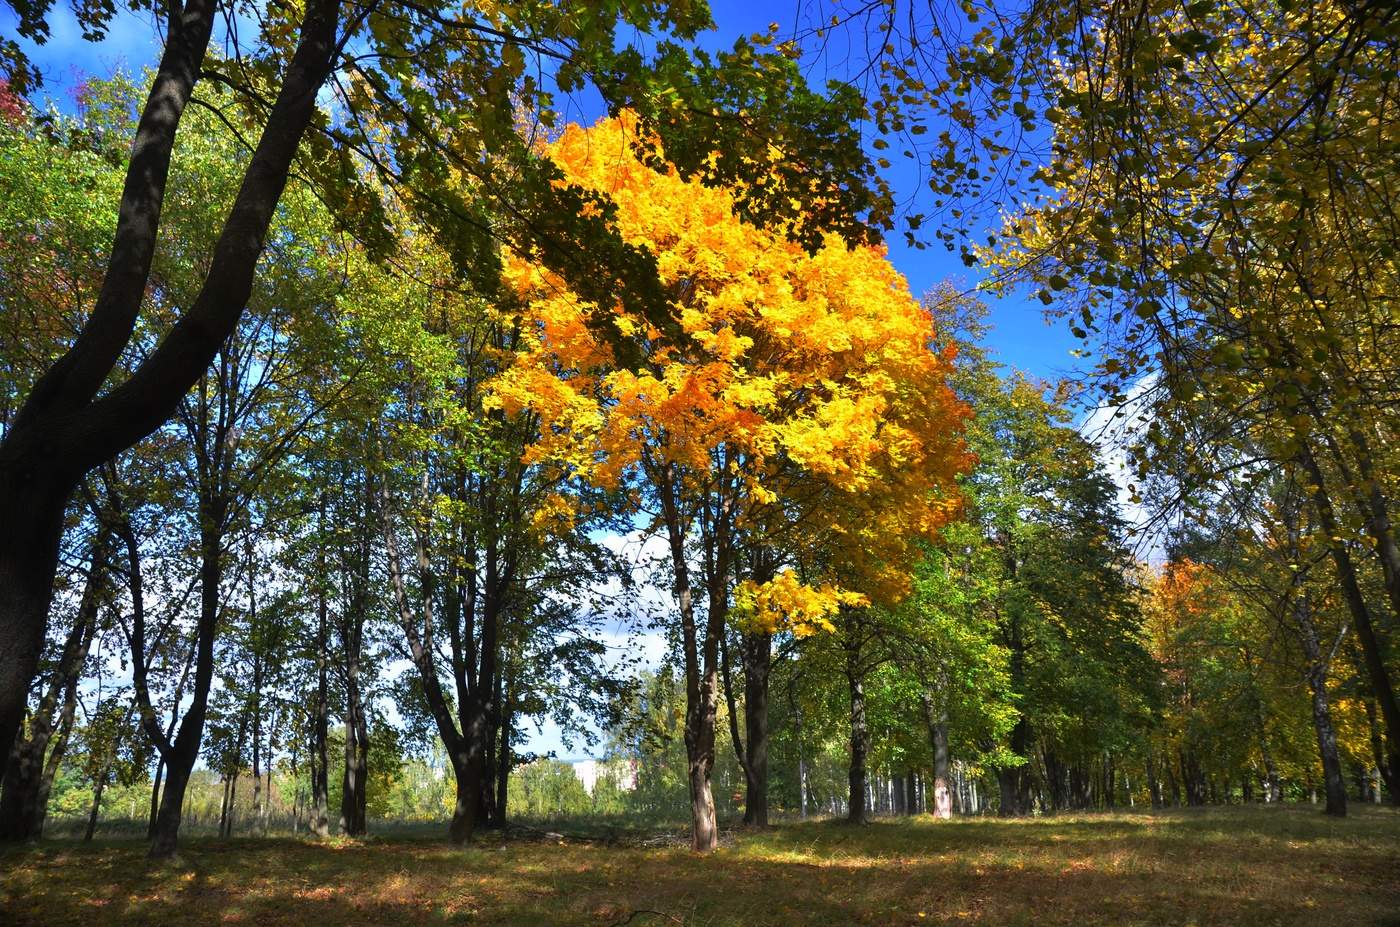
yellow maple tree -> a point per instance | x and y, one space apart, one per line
797 403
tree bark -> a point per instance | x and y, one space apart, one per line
353 797
1371 649
24 797
856 809
64 428
758 663
936 722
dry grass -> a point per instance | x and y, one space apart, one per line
1241 866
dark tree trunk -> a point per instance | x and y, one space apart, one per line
503 760
1012 781
353 797
1154 787
172 800
155 798
24 798
1371 649
856 810
758 662
1318 662
96 807
44 453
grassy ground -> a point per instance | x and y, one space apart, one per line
1242 866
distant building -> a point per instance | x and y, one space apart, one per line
622 772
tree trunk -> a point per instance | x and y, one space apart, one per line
758 662
1383 773
38 470
856 809
936 723
353 796
155 799
24 796
1371 648
503 760
172 800
96 807
56 754
1318 662
1154 787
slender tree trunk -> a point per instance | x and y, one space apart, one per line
857 812
1318 662
96 807
319 823
1371 648
353 797
503 760
1154 787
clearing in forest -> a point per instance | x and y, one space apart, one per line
1240 866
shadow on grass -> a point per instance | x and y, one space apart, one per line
1242 867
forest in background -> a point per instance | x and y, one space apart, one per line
332 423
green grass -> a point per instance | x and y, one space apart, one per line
1241 866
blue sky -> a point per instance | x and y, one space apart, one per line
1020 337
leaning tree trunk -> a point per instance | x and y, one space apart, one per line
1371 649
64 428
46 449
24 796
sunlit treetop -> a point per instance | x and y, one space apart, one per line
809 380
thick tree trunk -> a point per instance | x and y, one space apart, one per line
469 765
172 801
23 800
31 510
936 723
38 472
758 662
